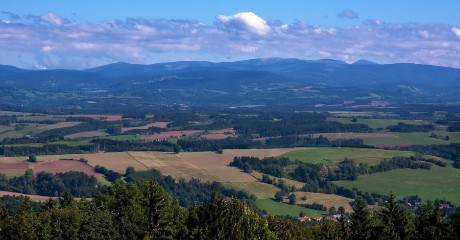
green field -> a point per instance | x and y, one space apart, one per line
335 155
122 137
437 183
415 138
362 114
282 209
377 123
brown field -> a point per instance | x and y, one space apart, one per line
116 161
173 165
95 116
60 166
10 134
217 136
156 124
9 113
328 200
88 134
217 164
166 135
12 160
4 128
13 169
59 125
32 197
356 135
220 134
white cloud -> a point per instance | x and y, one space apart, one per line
456 31
424 33
246 20
54 19
61 44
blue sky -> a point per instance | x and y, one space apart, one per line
81 34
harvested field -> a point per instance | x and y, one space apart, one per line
89 134
4 128
328 200
166 135
18 165
173 165
10 113
356 135
117 161
13 169
60 166
33 197
220 134
259 189
10 134
156 124
217 164
59 125
95 116
217 136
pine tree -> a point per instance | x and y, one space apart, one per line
360 221
396 221
429 223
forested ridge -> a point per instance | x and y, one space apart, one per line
143 210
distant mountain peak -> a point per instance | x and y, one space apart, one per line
329 61
364 62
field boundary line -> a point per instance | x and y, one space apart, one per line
135 159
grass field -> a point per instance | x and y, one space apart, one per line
419 138
89 134
31 128
276 208
436 183
362 114
335 155
122 137
379 123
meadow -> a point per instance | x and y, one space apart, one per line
335 155
437 183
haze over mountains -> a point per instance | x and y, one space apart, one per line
250 82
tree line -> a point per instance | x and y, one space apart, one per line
143 210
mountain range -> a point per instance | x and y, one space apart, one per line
269 81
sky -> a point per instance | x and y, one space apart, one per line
51 34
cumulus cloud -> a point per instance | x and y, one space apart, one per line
348 14
245 21
51 41
54 19
456 31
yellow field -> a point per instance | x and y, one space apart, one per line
88 134
328 200
59 125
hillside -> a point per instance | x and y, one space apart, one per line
272 81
